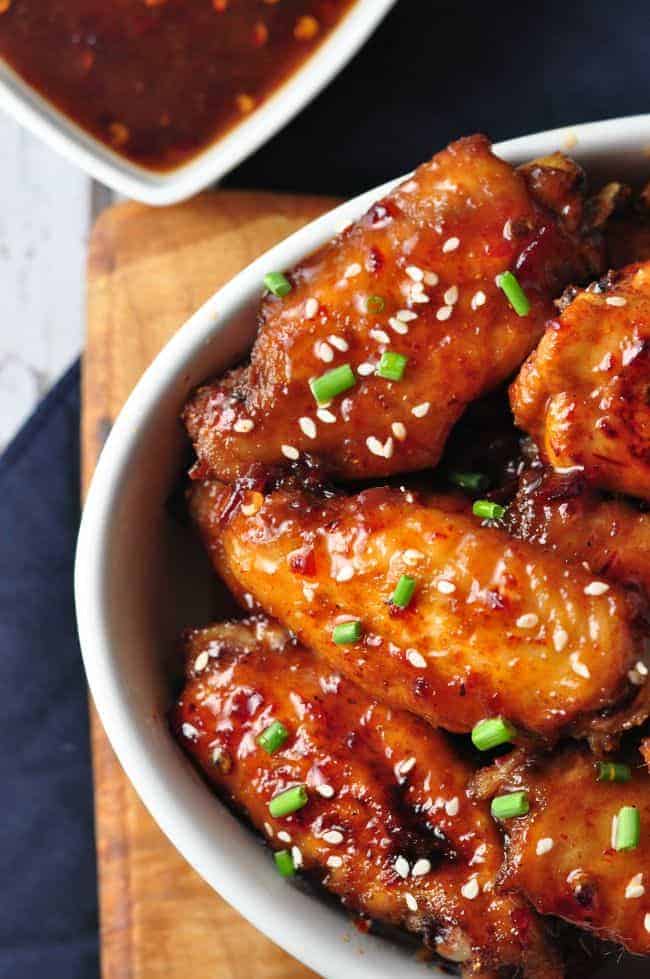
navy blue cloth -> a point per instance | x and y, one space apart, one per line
48 902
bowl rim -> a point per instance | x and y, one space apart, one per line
42 117
125 730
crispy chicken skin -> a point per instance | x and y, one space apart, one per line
391 832
487 610
561 855
426 256
583 393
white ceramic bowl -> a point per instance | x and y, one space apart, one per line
32 110
140 579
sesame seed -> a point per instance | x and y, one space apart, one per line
308 427
380 336
366 369
635 887
596 588
346 573
398 326
614 829
421 410
201 661
269 829
470 890
412 557
311 308
446 587
189 731
243 425
325 416
527 621
616 301
560 638
544 845
431 278
452 806
389 445
646 922
284 837
412 904
296 854
642 668
414 273
374 446
479 854
290 452
419 297
401 867
406 315
478 299
636 677
444 313
398 430
421 868
334 862
407 765
325 790
352 270
324 352
339 343
451 295
333 836
416 659
451 245
581 669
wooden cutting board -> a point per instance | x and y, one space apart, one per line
148 270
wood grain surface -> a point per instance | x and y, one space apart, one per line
148 270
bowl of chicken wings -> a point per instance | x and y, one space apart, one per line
363 574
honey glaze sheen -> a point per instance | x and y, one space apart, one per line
159 80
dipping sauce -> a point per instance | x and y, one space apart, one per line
159 80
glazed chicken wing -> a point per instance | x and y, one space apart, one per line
583 393
563 854
486 610
405 307
387 825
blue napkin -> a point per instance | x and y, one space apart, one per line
48 897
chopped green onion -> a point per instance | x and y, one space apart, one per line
511 805
277 283
404 590
628 828
375 304
347 632
469 481
289 801
391 366
332 383
284 863
273 737
613 771
514 293
488 510
492 732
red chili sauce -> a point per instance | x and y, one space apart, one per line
159 80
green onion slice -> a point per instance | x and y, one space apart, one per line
392 365
628 828
289 801
375 304
492 732
273 737
347 633
511 805
332 383
284 863
277 283
488 510
404 590
514 293
613 771
469 481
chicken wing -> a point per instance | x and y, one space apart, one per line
387 826
563 855
405 306
583 394
486 611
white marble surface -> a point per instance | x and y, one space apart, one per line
46 208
